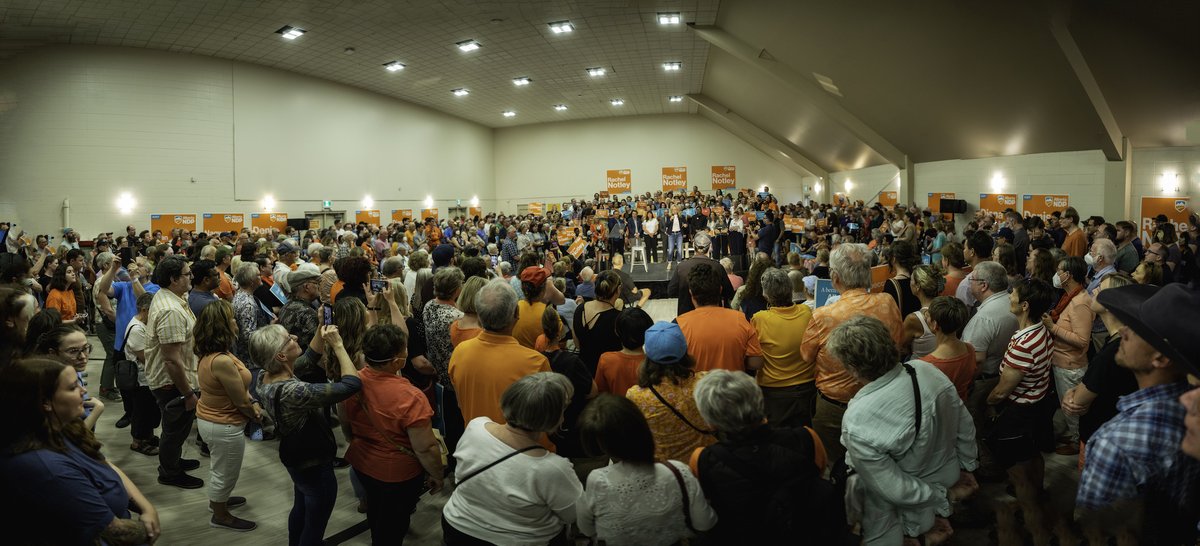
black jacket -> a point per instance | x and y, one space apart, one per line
677 287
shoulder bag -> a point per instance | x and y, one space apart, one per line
126 377
687 511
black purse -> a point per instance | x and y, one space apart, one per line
126 378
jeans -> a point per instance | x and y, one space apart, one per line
1065 380
390 506
108 373
453 537
144 415
228 446
454 424
315 491
675 245
176 426
790 406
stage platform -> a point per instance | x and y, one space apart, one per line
655 272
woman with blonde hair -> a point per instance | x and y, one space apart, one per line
926 284
467 327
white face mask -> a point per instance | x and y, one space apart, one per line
1056 280
1087 258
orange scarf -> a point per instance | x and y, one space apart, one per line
1062 303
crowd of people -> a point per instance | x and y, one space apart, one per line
512 360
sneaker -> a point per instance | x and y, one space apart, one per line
232 502
112 395
123 421
234 524
182 481
189 464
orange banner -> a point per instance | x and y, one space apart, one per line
996 203
401 215
674 178
367 216
264 220
224 221
474 211
166 222
935 200
879 275
1043 205
840 199
793 224
889 198
429 213
619 181
576 249
565 235
535 209
724 177
1176 209
601 213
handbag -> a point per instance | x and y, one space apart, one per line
126 377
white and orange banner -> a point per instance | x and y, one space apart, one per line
674 178
724 177
889 198
265 220
935 200
401 215
1176 210
370 216
429 213
474 212
535 209
619 181
996 203
224 221
166 222
1043 205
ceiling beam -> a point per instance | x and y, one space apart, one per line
804 85
776 148
1113 145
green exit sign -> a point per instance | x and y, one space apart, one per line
327 204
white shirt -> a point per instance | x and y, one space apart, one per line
650 227
136 341
641 504
524 500
896 468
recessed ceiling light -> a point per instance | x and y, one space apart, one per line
467 45
523 80
460 92
596 71
508 113
394 66
560 107
290 33
668 18
675 98
672 66
617 102
561 27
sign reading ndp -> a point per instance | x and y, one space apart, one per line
1043 205
220 221
724 177
265 220
996 203
166 222
674 178
619 181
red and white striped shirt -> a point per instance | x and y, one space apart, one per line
1029 353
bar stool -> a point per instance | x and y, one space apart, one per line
638 250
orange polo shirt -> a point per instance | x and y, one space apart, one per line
833 380
617 371
719 338
483 367
1075 244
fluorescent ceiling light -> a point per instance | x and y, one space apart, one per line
561 27
290 33
460 92
560 107
668 18
394 66
596 71
508 113
523 80
467 45
617 102
672 66
675 98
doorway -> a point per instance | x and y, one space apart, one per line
324 218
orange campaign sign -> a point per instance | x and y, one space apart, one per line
822 222
1043 205
565 235
601 213
935 200
619 181
674 178
840 199
367 216
1176 210
879 275
264 220
223 221
166 222
996 203
889 198
474 212
535 208
401 215
724 177
429 213
576 249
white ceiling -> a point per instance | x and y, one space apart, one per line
622 36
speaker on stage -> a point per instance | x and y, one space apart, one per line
953 206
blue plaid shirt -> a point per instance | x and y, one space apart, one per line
1137 452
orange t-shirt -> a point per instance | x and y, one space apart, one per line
395 406
334 290
482 368
719 338
1075 244
64 301
529 322
459 335
617 371
961 370
225 289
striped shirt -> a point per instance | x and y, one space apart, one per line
1029 353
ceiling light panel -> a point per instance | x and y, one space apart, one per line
460 92
522 81
508 113
290 33
669 18
560 107
597 71
394 66
675 98
617 102
672 66
561 27
467 45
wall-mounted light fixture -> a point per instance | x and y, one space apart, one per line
1169 182
125 203
368 203
997 182
428 201
268 203
474 200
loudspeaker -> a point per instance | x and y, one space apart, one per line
954 206
300 224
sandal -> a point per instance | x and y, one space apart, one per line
144 448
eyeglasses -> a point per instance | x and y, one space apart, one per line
77 351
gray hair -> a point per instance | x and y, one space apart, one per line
418 260
993 274
776 287
865 347
1106 249
851 262
727 264
729 401
246 273
536 402
586 274
505 268
265 342
209 252
496 305
446 282
104 260
392 267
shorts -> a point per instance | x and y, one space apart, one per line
1020 431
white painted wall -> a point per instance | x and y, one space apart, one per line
558 161
1149 166
194 134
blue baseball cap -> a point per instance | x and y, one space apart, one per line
665 343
